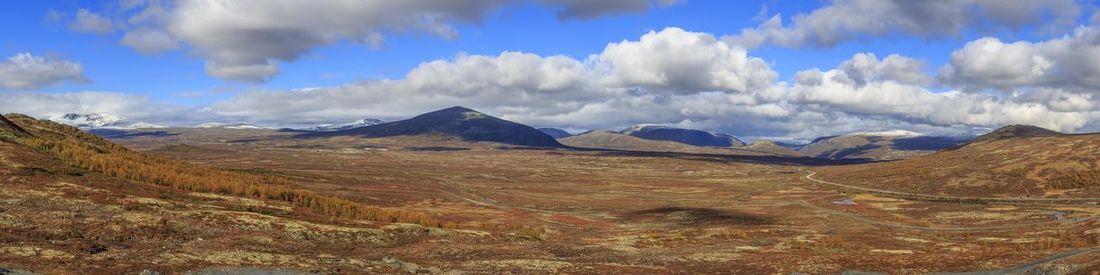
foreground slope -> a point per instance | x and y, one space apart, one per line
459 122
1011 161
75 202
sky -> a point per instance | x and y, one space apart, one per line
787 70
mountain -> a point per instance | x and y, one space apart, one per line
340 127
685 136
1016 132
555 132
619 141
457 122
1012 161
887 145
237 126
771 147
104 121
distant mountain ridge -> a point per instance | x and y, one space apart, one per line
685 136
460 122
97 120
340 127
883 145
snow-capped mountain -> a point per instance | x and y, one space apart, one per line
101 121
340 127
219 125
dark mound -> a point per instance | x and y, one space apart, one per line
555 132
693 216
469 125
685 136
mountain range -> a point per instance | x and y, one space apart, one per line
101 121
340 127
470 125
877 145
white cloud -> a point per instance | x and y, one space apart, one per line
1068 62
843 20
149 41
686 61
672 68
247 39
905 101
866 67
639 81
88 21
25 71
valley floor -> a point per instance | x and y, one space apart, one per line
520 210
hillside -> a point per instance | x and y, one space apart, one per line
685 136
1011 161
1015 132
771 147
97 155
458 122
876 146
74 201
619 141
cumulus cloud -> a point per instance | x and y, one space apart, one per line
671 77
1067 63
683 60
866 67
638 81
669 66
25 71
88 21
902 100
843 20
246 40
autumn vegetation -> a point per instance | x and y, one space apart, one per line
92 153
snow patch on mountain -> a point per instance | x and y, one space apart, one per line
101 121
346 126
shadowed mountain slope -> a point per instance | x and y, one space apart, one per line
459 122
685 136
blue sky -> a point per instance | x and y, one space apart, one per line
180 78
